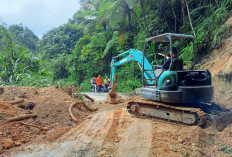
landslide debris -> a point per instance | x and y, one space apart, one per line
27 113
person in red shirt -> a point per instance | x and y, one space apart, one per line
99 84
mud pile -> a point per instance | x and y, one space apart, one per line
50 105
113 98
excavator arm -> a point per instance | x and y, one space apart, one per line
133 55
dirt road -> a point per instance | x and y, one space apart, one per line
112 131
117 133
97 96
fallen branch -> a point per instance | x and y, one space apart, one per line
31 125
88 97
78 96
87 107
39 127
16 101
70 112
72 91
79 103
22 117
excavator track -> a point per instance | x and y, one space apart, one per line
195 114
185 115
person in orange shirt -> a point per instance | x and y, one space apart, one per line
99 84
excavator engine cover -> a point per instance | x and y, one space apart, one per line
168 81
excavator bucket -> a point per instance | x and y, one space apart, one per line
220 117
113 91
221 121
113 97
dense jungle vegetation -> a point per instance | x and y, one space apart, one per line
83 47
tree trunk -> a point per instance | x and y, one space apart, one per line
190 21
183 12
160 10
174 14
130 27
143 12
141 22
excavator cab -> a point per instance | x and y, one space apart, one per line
167 40
176 84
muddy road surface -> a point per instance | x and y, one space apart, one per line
106 133
97 96
112 131
115 132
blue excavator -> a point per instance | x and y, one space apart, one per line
174 94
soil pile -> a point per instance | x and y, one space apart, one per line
113 98
50 105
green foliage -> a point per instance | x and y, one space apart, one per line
110 44
25 37
19 65
225 149
15 60
126 24
82 48
86 57
186 54
128 86
65 82
85 85
59 66
59 40
219 35
2 115
128 81
187 154
112 27
56 46
208 19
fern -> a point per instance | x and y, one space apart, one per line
196 10
109 45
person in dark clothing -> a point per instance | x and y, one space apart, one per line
166 65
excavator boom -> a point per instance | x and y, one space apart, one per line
133 55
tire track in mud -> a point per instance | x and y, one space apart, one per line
77 141
128 136
112 133
138 139
106 133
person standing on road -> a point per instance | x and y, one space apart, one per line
95 85
99 84
92 83
106 82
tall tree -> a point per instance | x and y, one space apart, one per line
60 40
24 36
